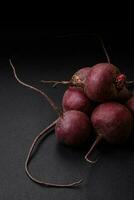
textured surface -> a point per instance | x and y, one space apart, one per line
38 54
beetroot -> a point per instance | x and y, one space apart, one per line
123 95
79 78
112 122
75 99
73 128
104 82
130 104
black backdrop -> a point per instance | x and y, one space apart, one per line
55 50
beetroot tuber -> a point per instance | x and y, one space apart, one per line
103 82
75 99
73 128
123 95
79 78
112 122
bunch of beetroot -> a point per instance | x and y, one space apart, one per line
97 101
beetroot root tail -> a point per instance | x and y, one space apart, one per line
55 83
98 139
45 132
130 83
50 101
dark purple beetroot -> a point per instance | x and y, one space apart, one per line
75 99
79 78
104 82
130 104
73 128
124 95
112 121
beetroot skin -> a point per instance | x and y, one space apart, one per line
130 104
73 128
112 121
75 99
102 83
